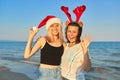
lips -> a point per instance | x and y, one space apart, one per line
71 37
55 31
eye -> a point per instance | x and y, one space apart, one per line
56 25
51 25
68 31
74 32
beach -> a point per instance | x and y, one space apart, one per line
105 59
6 74
10 70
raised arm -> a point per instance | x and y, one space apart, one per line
29 50
87 62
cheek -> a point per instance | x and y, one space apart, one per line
76 35
68 33
59 29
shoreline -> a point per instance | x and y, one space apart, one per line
6 74
22 70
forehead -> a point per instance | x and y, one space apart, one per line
72 28
54 24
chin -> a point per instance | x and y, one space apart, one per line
71 41
55 34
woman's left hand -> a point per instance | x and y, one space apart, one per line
85 43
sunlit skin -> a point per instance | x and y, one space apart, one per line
72 33
53 34
55 29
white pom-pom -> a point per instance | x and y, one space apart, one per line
34 28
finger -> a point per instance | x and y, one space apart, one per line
84 36
89 39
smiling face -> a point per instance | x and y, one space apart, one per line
72 33
55 29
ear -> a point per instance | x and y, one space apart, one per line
67 22
80 23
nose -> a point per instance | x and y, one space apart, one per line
70 33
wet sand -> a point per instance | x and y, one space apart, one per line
6 74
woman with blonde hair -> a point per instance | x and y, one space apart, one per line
51 47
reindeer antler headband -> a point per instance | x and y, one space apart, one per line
78 11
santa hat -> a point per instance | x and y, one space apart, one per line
52 21
48 21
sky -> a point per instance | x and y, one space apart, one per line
101 18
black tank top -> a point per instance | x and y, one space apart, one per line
51 55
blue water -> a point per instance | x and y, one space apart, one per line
105 58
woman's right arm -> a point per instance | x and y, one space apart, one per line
29 50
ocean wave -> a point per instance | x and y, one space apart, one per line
29 62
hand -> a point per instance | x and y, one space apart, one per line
33 31
85 43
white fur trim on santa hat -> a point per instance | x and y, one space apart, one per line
34 28
52 21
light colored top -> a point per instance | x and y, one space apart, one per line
72 60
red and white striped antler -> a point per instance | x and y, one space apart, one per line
65 10
79 11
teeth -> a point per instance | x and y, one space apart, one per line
71 37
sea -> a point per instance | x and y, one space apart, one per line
105 60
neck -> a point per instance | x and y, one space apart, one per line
56 41
72 44
55 38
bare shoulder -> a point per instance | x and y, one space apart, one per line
64 44
41 41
